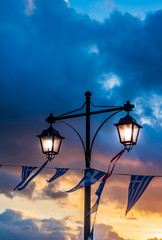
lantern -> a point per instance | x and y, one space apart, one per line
50 140
128 130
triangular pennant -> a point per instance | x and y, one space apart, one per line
137 186
91 234
59 173
102 184
98 193
34 175
91 177
26 171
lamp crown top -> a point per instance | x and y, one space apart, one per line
88 94
127 120
50 132
128 107
50 119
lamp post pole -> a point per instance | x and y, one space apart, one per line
87 195
50 139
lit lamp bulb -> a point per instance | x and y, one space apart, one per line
127 134
48 144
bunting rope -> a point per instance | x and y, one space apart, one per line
81 169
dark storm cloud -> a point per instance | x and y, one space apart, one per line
50 58
132 50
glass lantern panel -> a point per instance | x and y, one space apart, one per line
135 133
47 143
57 142
125 132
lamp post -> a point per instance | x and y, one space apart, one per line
51 139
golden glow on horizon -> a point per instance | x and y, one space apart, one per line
155 236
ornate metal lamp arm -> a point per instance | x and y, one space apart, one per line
101 127
76 133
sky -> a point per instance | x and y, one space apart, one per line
51 53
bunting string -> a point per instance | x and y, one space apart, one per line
78 169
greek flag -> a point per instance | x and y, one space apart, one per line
101 187
102 184
137 186
91 234
34 175
26 171
98 193
59 173
91 177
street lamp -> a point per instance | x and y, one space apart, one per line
128 130
50 139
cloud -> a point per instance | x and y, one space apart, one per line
46 191
51 50
10 181
30 7
151 114
113 235
104 232
14 225
109 82
52 191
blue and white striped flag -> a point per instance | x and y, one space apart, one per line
59 173
34 175
98 193
26 171
91 177
101 187
104 179
91 234
137 186
95 206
